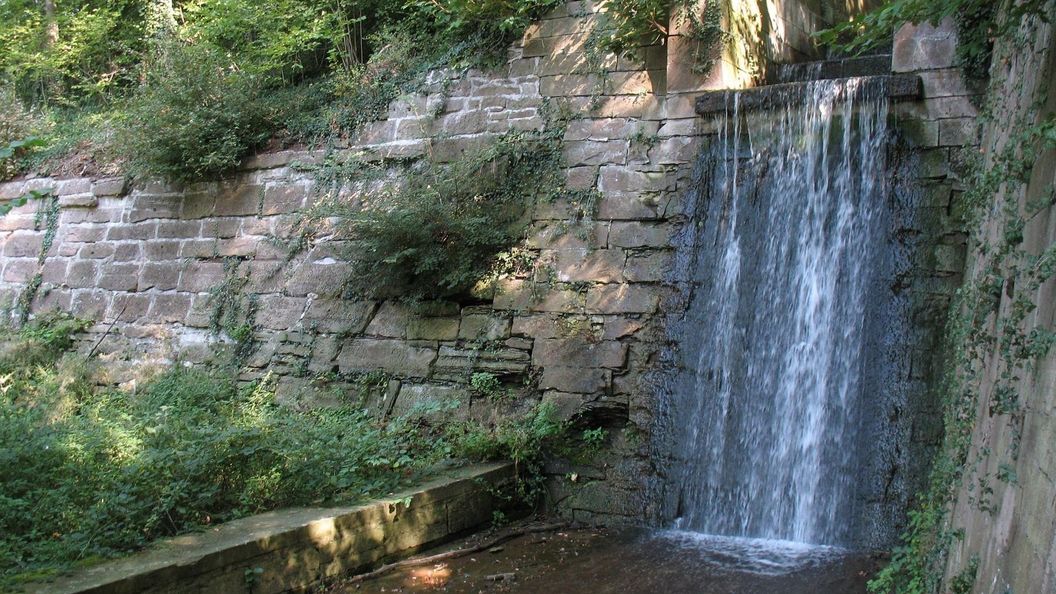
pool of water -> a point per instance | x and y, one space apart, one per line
634 561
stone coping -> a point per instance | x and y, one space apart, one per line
898 87
290 549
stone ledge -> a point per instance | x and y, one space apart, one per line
324 542
902 87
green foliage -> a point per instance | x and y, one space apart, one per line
526 440
198 116
977 21
438 233
487 385
89 472
633 23
983 337
94 59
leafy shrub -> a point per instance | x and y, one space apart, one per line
87 472
439 232
197 116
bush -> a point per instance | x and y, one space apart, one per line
439 232
87 472
199 115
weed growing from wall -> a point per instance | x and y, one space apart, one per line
989 351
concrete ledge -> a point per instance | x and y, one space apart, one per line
291 549
902 87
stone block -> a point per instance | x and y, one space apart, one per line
431 401
536 325
402 358
83 233
615 179
482 324
201 277
623 299
459 363
579 265
944 83
23 245
925 46
128 307
324 277
240 247
593 152
339 315
636 234
119 277
578 352
54 271
20 270
78 201
631 206
138 231
198 205
575 379
958 132
276 312
149 206
70 187
90 304
162 250
82 274
110 186
126 252
179 229
283 198
241 200
647 267
170 308
162 277
601 129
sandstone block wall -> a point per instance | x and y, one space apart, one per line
159 268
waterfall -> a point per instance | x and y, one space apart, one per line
783 256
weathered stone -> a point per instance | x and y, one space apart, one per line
162 277
276 312
171 307
637 234
647 267
284 198
578 265
575 379
324 277
457 363
339 315
179 229
482 325
622 299
90 304
925 46
82 274
111 186
78 201
160 251
241 200
23 245
119 277
20 270
398 357
592 152
148 206
201 277
431 401
578 352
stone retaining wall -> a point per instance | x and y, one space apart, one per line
152 264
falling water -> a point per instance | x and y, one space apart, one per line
783 242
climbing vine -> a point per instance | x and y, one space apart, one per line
991 348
